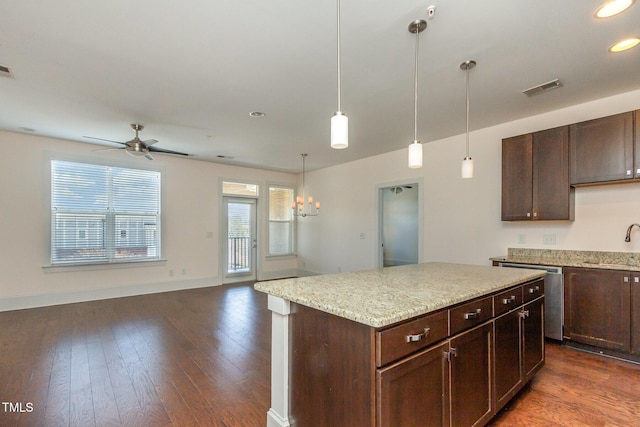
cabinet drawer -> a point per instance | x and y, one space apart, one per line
470 314
397 342
507 300
533 290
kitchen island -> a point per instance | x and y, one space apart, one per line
425 344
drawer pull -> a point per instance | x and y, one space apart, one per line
417 337
510 300
524 314
472 315
534 289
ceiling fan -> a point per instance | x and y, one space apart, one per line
137 147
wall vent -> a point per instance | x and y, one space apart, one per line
6 72
544 87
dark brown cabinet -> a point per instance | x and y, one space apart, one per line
635 314
535 176
471 369
533 338
602 150
597 307
435 370
415 390
636 148
518 343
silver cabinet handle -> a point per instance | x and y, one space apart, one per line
524 314
534 289
472 315
417 337
506 301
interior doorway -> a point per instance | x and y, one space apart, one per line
400 228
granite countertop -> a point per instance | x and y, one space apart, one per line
628 261
385 296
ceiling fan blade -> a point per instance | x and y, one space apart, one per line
149 156
149 142
102 139
107 149
162 150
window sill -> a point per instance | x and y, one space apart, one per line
287 256
59 268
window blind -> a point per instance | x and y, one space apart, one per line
281 221
103 213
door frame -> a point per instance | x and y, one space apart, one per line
253 273
419 182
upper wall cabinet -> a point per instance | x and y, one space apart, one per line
602 150
535 176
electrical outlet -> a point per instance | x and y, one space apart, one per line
548 239
522 239
362 236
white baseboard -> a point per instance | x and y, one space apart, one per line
280 274
82 295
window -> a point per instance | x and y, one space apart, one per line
239 189
103 213
281 221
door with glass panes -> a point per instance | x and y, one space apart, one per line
240 239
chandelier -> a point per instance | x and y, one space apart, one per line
299 207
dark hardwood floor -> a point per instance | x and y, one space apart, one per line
202 358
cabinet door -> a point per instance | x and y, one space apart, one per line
508 357
471 370
552 194
597 307
517 178
602 149
415 390
532 338
636 138
635 313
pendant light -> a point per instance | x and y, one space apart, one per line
339 122
467 162
415 148
299 208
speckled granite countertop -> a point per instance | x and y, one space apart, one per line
629 261
385 296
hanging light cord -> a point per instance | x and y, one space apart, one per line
304 157
338 50
468 112
415 101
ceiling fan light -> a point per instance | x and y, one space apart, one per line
467 167
339 131
415 155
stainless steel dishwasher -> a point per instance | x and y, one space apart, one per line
553 297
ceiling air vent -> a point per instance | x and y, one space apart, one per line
544 87
6 71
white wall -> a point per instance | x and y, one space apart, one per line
462 217
191 203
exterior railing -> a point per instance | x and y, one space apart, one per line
239 250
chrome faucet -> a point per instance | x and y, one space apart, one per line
628 238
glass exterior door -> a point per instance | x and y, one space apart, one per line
240 240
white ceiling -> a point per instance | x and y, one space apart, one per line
191 71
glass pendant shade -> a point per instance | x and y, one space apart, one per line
339 131
415 155
467 167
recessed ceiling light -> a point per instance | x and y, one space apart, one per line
612 8
625 44
257 114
